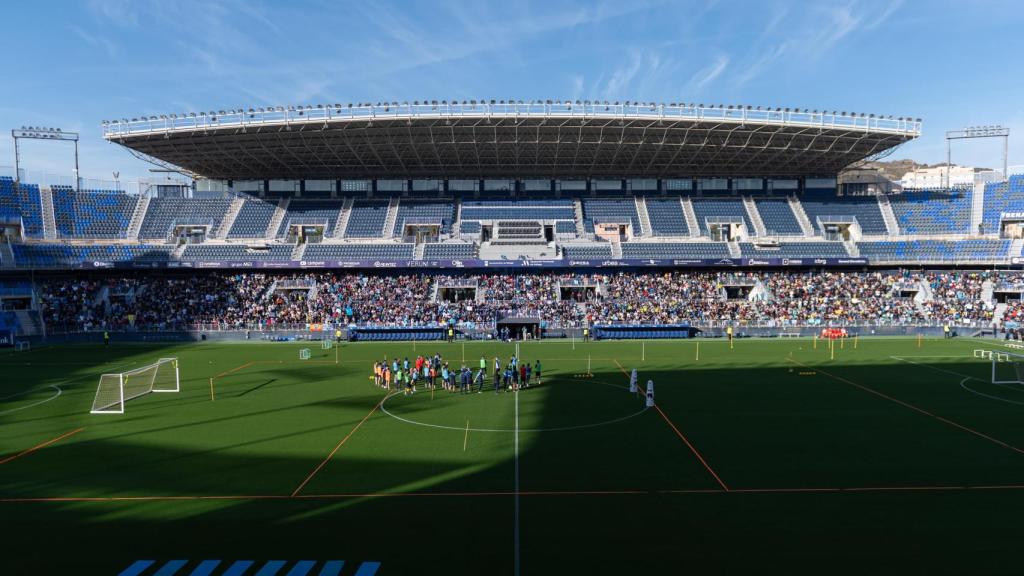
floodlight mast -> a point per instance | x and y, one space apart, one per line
37 133
972 132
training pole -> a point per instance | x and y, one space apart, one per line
918 339
842 343
574 340
643 351
212 398
463 351
465 439
815 342
832 345
588 365
335 354
855 338
697 359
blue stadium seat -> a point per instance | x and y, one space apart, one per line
165 213
703 250
359 252
933 211
705 208
824 203
609 210
778 217
367 219
666 216
253 219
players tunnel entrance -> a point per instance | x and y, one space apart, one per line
520 328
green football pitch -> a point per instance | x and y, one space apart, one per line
880 456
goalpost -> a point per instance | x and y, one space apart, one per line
1007 367
116 389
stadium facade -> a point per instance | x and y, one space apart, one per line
507 185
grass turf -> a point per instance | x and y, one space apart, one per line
893 457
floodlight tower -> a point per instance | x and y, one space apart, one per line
978 132
37 133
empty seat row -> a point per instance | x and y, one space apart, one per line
453 251
92 213
253 219
666 216
359 251
643 250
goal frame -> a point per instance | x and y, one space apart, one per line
117 407
997 357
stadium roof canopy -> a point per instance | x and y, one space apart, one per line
494 140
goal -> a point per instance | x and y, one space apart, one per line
1007 367
116 389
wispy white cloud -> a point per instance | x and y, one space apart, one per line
705 76
102 42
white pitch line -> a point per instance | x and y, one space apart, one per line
515 535
43 401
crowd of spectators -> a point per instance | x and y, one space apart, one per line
705 298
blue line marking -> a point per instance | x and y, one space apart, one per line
301 568
332 568
270 568
368 568
137 568
170 568
205 568
238 568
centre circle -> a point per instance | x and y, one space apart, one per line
561 404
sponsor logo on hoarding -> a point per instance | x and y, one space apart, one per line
756 262
379 264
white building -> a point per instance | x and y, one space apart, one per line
936 177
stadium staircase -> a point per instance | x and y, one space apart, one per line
851 248
734 249
801 216
230 217
617 250
691 217
645 218
755 216
1000 312
1015 248
275 221
30 322
978 208
389 223
343 217
457 225
6 254
577 206
299 251
417 253
135 225
892 227
178 251
987 291
49 222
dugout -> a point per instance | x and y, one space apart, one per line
368 334
643 331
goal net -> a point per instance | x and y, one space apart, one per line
116 389
1007 367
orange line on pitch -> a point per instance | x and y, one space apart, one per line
692 448
338 447
621 368
235 369
43 445
912 407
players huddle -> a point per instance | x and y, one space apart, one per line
426 372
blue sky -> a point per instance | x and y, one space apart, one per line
73 64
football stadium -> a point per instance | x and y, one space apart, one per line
504 336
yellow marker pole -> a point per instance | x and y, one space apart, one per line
918 339
698 352
842 343
815 341
212 398
465 439
643 351
335 354
463 351
833 349
855 339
